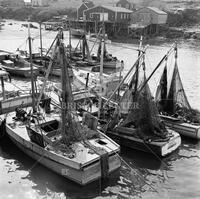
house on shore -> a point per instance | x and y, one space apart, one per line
108 13
39 3
12 3
148 18
84 6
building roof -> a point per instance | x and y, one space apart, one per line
123 1
88 4
157 10
118 9
114 9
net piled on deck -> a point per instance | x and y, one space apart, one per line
143 114
175 102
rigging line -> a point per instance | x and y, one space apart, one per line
128 73
135 167
161 61
37 161
156 80
22 44
46 33
123 46
140 175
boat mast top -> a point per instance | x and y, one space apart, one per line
41 53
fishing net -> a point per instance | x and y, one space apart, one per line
75 131
139 110
161 92
143 114
176 95
187 115
175 102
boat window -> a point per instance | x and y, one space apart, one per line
101 142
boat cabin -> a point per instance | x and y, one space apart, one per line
3 55
8 63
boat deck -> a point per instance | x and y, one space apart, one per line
85 153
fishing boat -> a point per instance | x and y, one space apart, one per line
174 106
87 60
11 96
93 37
16 65
75 150
86 90
78 32
109 62
135 122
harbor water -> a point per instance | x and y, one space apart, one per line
141 175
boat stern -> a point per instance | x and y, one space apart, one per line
173 143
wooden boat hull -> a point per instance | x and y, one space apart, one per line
22 72
77 32
57 72
107 41
77 172
185 129
107 65
125 137
11 104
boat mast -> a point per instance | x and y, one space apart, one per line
156 68
32 74
101 69
137 66
41 39
63 83
70 37
3 87
176 54
127 74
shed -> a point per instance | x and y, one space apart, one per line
84 6
110 13
149 15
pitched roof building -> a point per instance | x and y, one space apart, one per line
148 15
12 3
108 13
84 6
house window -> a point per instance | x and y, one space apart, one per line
121 15
91 15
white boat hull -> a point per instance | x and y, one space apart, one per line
80 173
185 129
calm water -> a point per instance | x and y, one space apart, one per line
176 176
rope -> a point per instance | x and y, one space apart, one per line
131 169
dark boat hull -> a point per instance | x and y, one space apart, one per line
125 137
